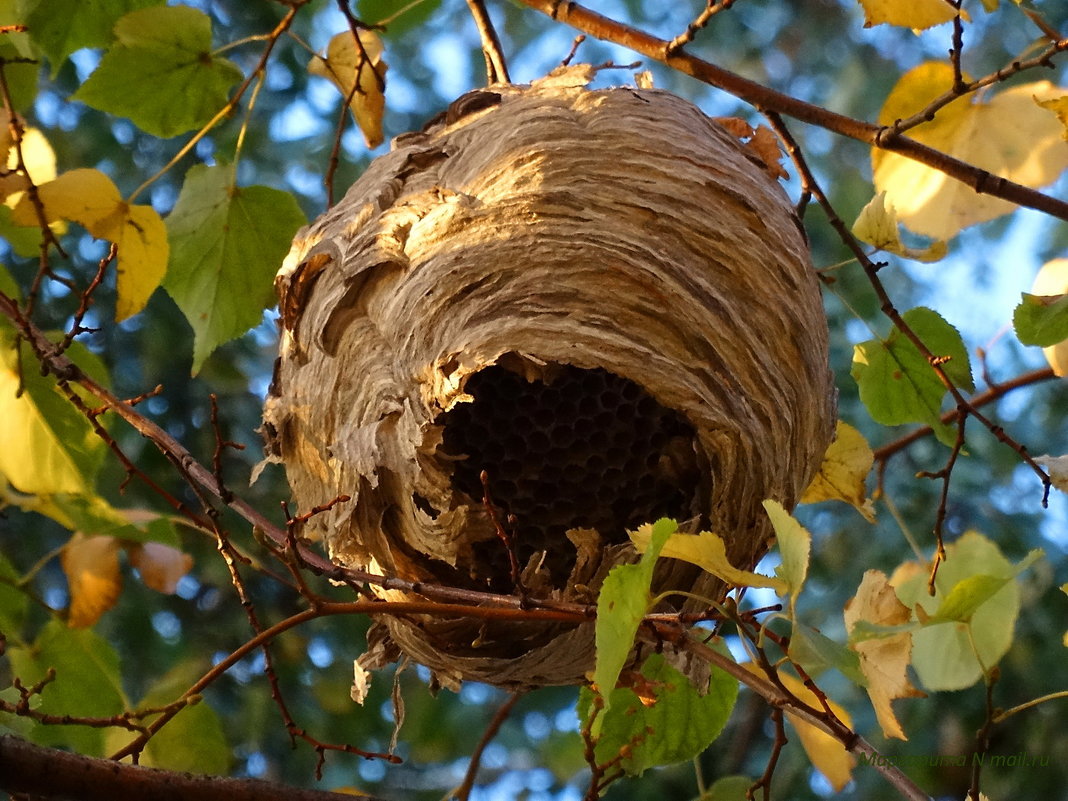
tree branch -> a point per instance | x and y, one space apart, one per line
767 99
49 773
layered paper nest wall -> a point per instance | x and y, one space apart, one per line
601 300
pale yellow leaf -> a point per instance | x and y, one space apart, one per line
1057 467
827 754
883 660
1052 279
795 546
160 565
845 467
709 552
347 66
40 162
1059 106
877 225
91 565
915 14
1004 133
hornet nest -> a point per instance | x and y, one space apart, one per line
600 304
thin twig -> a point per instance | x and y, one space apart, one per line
496 66
711 9
464 790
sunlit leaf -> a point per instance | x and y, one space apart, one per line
40 162
46 445
1003 132
87 683
60 27
227 242
845 467
1058 470
357 67
897 384
883 661
878 226
161 73
709 552
91 199
91 565
915 14
668 721
795 544
1043 320
1059 106
622 603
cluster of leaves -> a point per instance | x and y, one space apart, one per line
944 623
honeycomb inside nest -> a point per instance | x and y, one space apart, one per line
580 448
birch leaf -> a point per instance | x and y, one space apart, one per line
915 14
347 64
845 467
878 226
91 565
709 552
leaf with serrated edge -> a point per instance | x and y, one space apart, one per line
794 543
1006 134
845 467
916 14
877 225
883 661
1052 279
623 601
226 245
709 552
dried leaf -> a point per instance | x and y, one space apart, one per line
361 682
359 71
841 477
160 565
883 660
91 565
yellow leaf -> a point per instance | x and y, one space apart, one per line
1052 279
1059 106
141 236
40 162
1008 135
877 225
709 552
915 14
827 754
882 660
91 565
160 565
344 64
841 477
90 198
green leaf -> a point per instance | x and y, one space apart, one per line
161 73
897 385
21 76
971 618
60 27
1041 320
8 285
728 788
14 724
623 601
92 515
378 10
193 740
815 652
795 542
87 683
675 724
46 445
25 241
226 245
13 601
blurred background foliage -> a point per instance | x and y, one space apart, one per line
816 50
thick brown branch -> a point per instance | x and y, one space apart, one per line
767 99
48 773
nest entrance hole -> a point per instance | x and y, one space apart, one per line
577 448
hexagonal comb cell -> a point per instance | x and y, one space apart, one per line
581 448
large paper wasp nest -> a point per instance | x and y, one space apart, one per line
599 301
